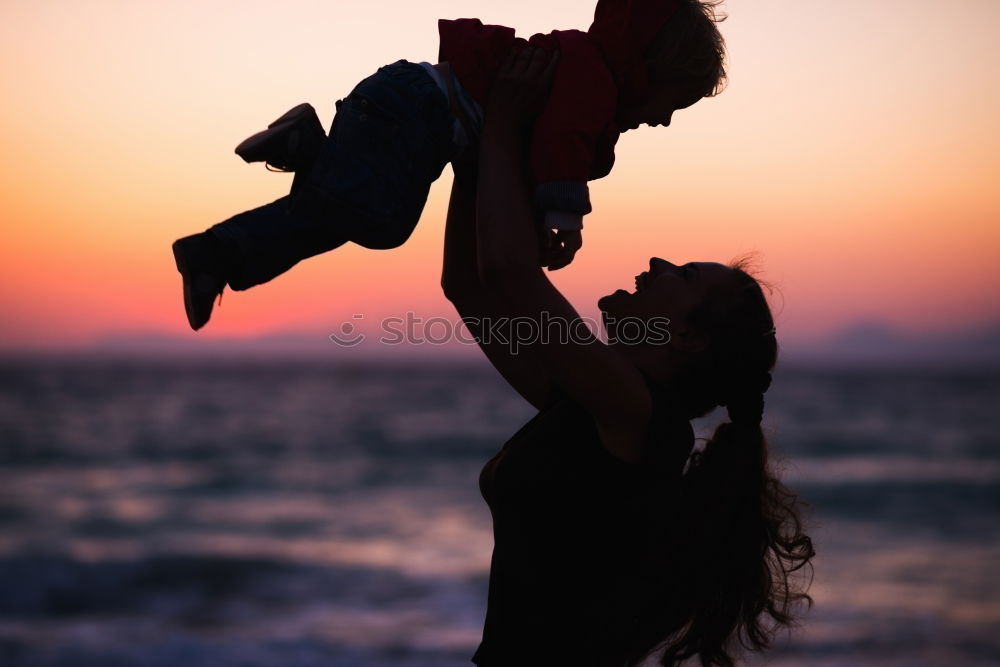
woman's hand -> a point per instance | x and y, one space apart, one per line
522 85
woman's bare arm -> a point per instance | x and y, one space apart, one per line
474 302
598 377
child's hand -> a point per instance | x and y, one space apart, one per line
522 84
559 247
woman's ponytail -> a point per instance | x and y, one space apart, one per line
742 545
736 560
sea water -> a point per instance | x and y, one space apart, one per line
290 513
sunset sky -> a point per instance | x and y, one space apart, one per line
856 149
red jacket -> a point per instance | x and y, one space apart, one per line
574 136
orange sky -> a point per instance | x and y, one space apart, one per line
856 149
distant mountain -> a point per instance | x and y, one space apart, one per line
863 343
881 343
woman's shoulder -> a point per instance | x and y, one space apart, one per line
666 435
565 429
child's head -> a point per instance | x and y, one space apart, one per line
688 52
684 63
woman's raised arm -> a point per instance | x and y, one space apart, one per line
601 379
476 304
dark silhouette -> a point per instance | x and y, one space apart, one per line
367 181
612 540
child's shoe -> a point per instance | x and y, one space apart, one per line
290 143
202 266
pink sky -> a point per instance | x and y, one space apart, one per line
856 150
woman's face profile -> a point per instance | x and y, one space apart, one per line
665 290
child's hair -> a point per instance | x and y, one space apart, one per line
688 52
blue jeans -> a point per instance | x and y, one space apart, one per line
390 139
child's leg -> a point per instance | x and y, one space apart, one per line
290 143
267 241
389 141
246 250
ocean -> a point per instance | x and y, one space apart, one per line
293 513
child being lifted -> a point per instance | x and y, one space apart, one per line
367 181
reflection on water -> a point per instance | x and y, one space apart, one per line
303 514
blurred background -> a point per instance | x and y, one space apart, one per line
253 494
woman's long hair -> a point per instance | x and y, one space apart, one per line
737 561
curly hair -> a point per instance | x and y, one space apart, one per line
732 573
689 52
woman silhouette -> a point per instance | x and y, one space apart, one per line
613 542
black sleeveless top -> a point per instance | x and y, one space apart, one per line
571 524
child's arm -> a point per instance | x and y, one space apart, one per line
567 143
569 220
